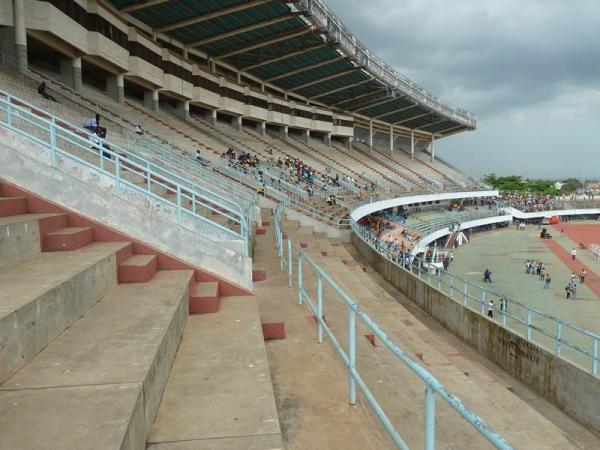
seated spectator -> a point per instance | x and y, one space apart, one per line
139 130
44 93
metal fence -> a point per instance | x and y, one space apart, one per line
568 341
316 303
71 143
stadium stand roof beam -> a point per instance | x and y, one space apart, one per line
241 30
342 88
378 90
284 56
211 15
305 68
412 118
322 80
396 111
373 104
269 41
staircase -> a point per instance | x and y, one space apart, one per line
90 324
523 418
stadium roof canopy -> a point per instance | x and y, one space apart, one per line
301 47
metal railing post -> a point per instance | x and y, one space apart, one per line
504 313
558 333
595 357
117 172
429 418
465 291
290 262
53 143
482 301
352 354
451 285
528 324
319 308
178 204
299 278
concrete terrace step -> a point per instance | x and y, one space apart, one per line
20 236
219 394
98 385
204 297
138 269
47 292
12 206
71 238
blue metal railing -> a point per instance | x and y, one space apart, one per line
433 387
284 263
566 340
67 140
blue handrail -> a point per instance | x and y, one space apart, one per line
473 294
19 112
432 386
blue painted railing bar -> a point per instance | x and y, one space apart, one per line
432 386
284 263
112 161
520 315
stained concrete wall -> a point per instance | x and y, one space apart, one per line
18 240
570 388
91 194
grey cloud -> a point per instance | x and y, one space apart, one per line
528 69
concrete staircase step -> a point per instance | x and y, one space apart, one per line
20 236
138 269
66 239
44 294
204 297
107 372
219 390
12 206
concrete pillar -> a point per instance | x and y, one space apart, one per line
305 135
151 100
185 53
213 117
283 132
183 109
328 139
70 73
412 144
239 77
237 123
115 87
370 135
391 140
263 128
212 65
20 35
432 148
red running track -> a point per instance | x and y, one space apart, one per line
580 233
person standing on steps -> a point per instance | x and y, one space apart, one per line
573 254
490 309
582 275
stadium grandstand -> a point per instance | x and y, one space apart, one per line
198 197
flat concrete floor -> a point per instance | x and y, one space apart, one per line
505 251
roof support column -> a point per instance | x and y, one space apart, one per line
432 148
371 136
183 109
151 100
70 72
305 135
263 128
284 132
115 86
391 140
212 117
327 139
412 144
237 123
20 35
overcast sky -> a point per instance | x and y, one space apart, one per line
530 70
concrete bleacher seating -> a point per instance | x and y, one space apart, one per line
88 346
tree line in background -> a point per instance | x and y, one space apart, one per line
516 183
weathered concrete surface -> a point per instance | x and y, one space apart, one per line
73 418
129 338
262 442
44 294
219 392
88 192
19 237
571 389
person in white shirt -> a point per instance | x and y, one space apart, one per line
573 254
